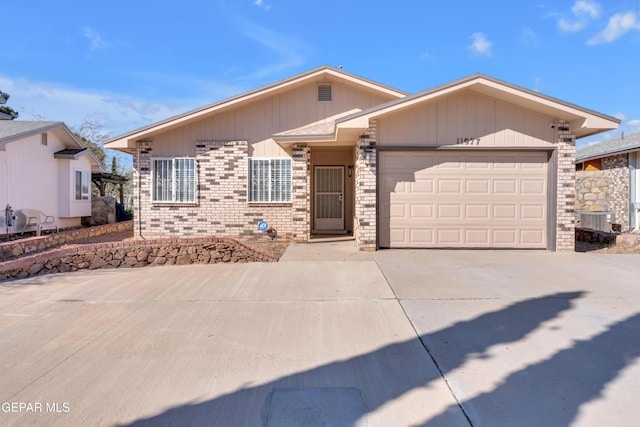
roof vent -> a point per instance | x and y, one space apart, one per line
324 93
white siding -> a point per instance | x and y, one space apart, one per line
30 177
466 114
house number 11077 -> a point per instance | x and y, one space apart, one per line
468 141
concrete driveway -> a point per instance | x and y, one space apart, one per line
329 335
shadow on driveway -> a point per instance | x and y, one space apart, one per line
591 363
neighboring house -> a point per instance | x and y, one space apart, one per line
474 163
607 179
43 166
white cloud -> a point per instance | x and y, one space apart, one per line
118 113
428 56
528 37
96 41
480 45
583 11
570 27
287 52
585 7
262 4
619 25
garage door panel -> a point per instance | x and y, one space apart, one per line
449 186
465 200
477 186
423 186
477 238
424 211
532 186
505 186
477 211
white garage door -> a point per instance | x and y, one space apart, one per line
454 199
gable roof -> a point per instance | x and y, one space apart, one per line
584 121
612 147
126 142
15 130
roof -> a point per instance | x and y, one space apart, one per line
69 153
587 122
625 144
12 130
15 130
121 141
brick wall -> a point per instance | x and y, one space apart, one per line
221 208
565 226
301 209
365 169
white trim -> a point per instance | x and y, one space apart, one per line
174 181
269 159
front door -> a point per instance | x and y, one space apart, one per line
329 198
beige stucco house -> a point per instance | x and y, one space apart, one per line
44 167
476 163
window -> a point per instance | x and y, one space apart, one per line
82 185
174 180
324 93
269 180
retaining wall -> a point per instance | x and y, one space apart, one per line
131 253
30 245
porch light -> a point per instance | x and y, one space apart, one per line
350 170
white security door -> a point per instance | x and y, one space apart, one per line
329 198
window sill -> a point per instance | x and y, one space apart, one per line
178 204
270 203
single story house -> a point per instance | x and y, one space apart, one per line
608 181
475 163
43 166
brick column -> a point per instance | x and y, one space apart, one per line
301 197
142 186
366 164
565 211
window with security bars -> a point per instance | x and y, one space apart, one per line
269 180
174 180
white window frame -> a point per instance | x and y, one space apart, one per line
173 181
270 193
85 185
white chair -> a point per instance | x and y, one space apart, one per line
37 219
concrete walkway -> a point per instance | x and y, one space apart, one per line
329 335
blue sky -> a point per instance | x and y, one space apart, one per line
126 64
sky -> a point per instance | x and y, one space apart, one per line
126 64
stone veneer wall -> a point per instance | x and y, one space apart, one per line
133 253
617 169
221 208
29 245
606 190
365 226
566 193
592 192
